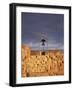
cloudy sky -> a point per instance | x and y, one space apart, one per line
36 26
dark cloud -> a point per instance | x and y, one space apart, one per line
38 25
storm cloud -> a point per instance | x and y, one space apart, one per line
36 26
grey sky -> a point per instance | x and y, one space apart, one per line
36 26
